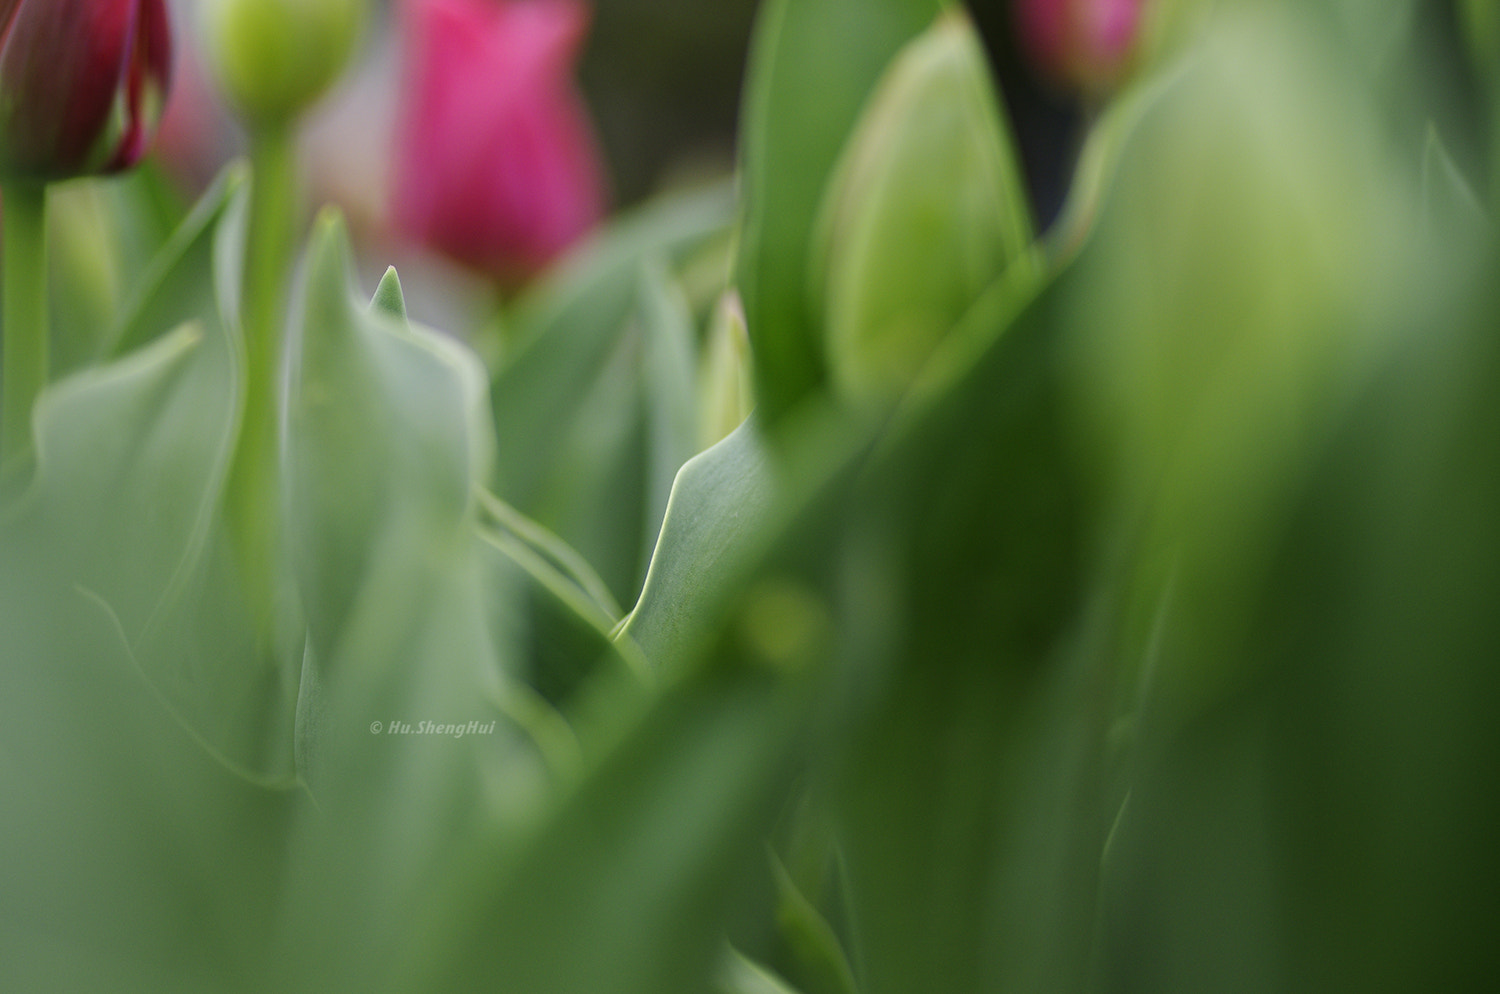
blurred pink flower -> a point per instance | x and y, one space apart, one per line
1084 45
495 165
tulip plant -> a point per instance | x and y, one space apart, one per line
840 579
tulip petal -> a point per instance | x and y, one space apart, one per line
82 82
496 164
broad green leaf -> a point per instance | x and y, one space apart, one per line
106 235
1293 399
142 712
570 404
668 382
741 975
731 505
567 329
131 466
1343 777
812 66
720 500
1248 266
968 797
1451 212
821 965
428 600
387 435
627 888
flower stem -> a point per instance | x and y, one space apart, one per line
254 486
25 312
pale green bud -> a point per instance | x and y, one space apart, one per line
924 211
274 58
726 391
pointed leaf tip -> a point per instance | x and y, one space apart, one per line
388 296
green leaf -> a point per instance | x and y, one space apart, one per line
182 281
1451 210
967 798
720 500
668 381
740 975
107 236
626 890
813 64
567 329
820 961
389 443
571 406
142 711
131 469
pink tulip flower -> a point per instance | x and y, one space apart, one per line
82 84
496 165
1084 45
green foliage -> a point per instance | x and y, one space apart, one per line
1137 635
800 106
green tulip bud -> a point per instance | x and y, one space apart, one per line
274 58
726 390
924 211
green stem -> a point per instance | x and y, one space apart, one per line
254 486
25 312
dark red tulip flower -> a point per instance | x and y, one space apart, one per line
496 164
82 84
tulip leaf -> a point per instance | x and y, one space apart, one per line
741 975
1450 206
625 890
148 439
821 965
389 442
107 235
570 404
143 712
720 499
726 391
972 753
173 288
812 66
567 328
388 296
669 384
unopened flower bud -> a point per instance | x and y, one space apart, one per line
276 57
1083 45
924 212
82 84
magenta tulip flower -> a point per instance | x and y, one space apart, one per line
496 165
1084 45
82 84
